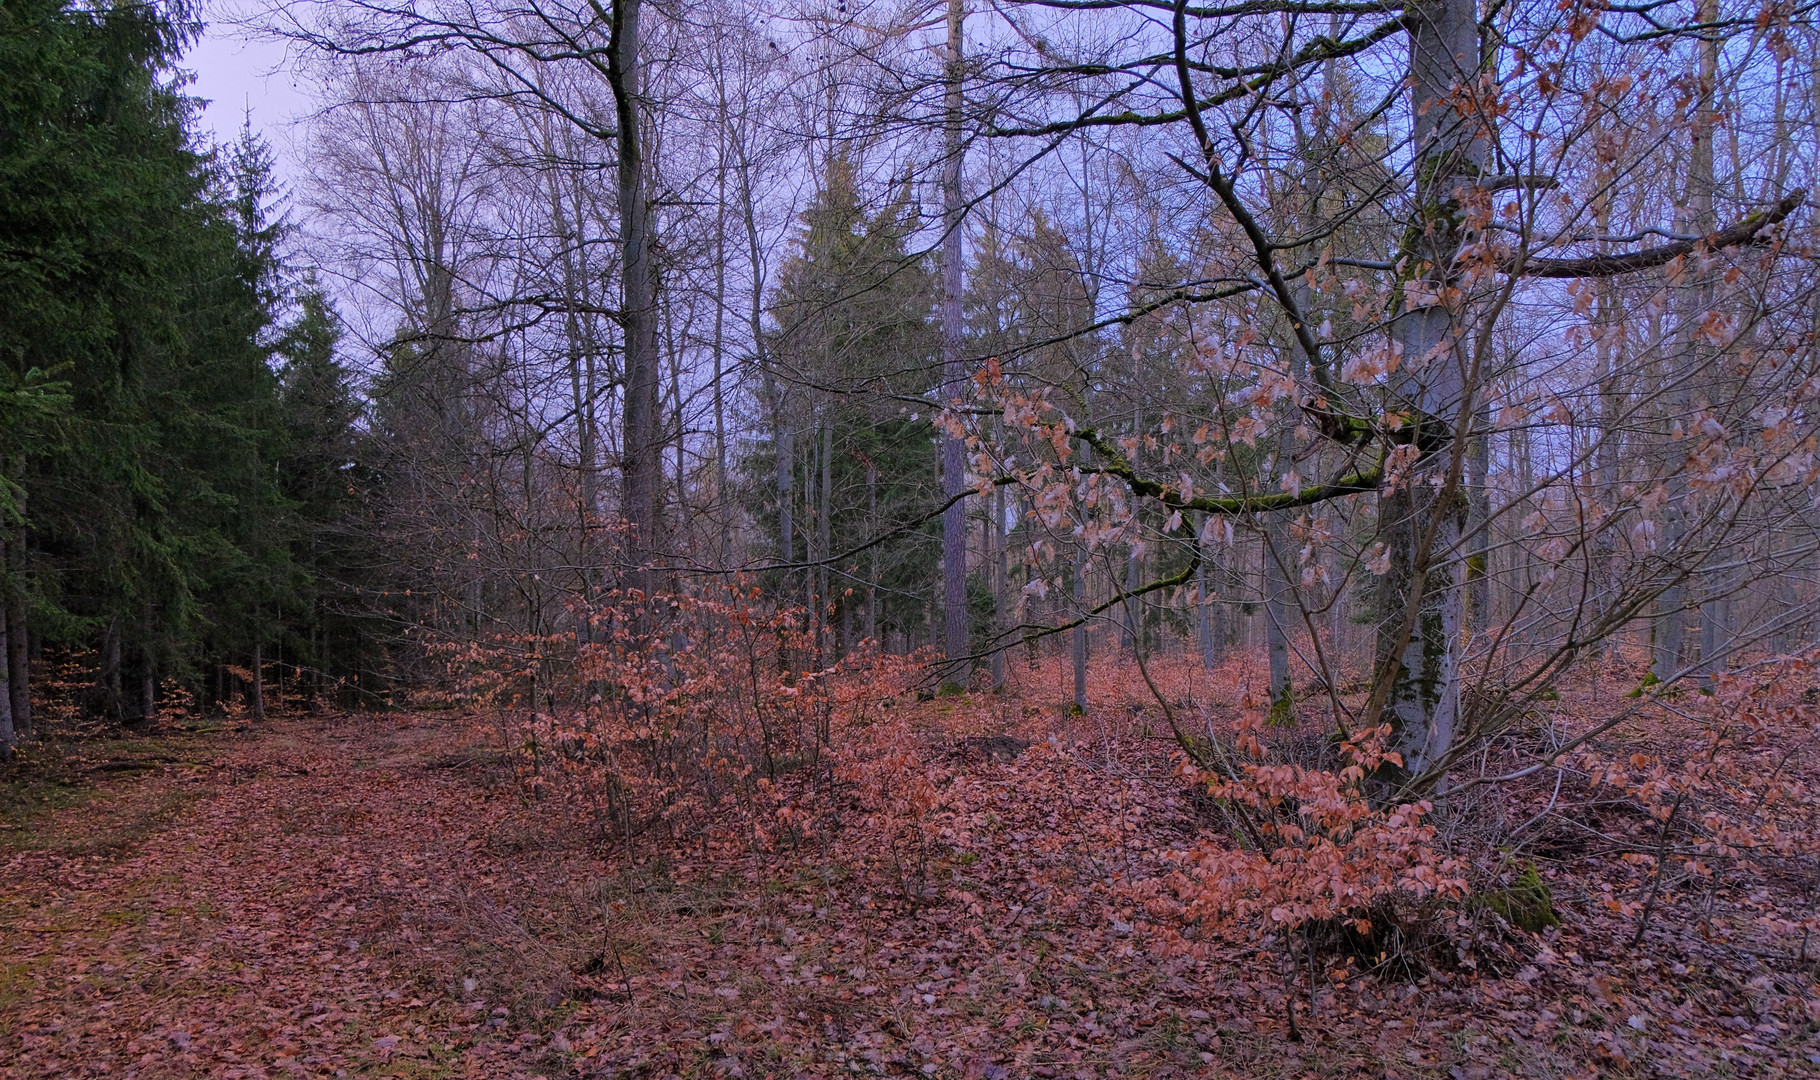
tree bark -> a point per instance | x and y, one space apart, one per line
1001 571
1130 611
772 390
19 664
1079 634
257 689
148 687
1421 521
1279 611
109 680
641 459
1206 579
1478 526
825 532
8 732
1697 213
954 466
1702 184
18 636
872 583
722 493
1281 605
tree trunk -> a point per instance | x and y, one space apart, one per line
1281 605
109 681
1478 526
681 525
722 493
257 690
1080 634
872 584
581 391
954 519
1696 215
1420 620
1609 360
768 383
641 461
825 531
1715 626
996 554
1130 611
148 688
1279 612
812 532
19 665
1715 606
1206 583
8 733
18 637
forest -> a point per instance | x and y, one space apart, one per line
1030 538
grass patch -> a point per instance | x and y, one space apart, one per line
39 782
15 984
116 823
121 784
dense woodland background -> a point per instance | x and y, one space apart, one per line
177 413
878 261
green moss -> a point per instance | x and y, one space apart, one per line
1527 905
1282 710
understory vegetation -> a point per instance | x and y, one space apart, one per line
850 880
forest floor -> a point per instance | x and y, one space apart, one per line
361 895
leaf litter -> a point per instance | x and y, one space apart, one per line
379 896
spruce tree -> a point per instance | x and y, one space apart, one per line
852 324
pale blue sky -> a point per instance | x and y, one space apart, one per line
241 74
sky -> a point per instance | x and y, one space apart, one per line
244 77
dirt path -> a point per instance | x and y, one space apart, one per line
295 918
355 897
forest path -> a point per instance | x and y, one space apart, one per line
375 896
290 912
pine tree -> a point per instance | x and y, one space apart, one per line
852 323
326 480
139 274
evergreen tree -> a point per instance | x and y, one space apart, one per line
141 274
852 325
326 478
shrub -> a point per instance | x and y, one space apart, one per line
707 717
1309 850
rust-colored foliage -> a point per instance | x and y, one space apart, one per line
1309 845
717 854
